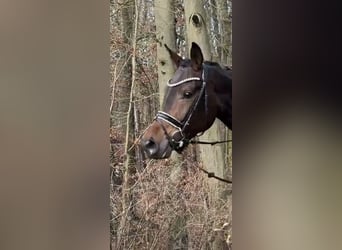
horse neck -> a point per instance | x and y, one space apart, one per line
223 88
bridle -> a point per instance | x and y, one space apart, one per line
179 145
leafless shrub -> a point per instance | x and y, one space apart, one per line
171 213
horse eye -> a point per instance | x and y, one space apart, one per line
187 94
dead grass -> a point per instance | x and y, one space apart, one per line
170 207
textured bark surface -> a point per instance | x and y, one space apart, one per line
165 34
213 158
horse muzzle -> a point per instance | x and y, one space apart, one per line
158 143
156 150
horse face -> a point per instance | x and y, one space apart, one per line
186 100
190 99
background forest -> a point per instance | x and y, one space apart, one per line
165 204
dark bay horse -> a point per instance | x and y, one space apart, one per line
199 92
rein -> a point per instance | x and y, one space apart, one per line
212 175
208 142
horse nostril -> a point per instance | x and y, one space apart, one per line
150 146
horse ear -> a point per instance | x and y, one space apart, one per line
196 56
174 57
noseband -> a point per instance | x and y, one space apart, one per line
179 145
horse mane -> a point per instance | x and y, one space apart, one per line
187 62
210 63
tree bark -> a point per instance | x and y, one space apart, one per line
196 26
165 29
225 23
122 78
212 157
166 34
128 169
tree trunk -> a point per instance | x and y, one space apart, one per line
225 23
123 72
165 27
212 157
166 34
196 26
128 169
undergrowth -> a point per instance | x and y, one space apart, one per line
170 206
